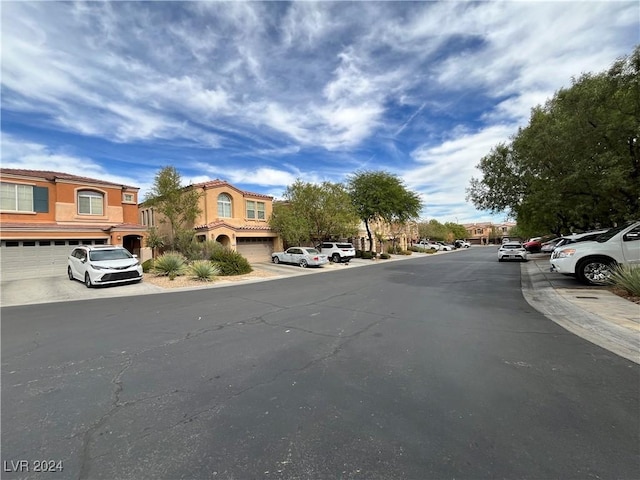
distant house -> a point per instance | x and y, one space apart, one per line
235 218
43 215
487 232
384 234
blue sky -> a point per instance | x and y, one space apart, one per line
260 94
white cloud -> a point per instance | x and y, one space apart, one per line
444 81
34 156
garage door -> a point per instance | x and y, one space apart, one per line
36 258
255 249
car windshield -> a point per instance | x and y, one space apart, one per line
345 245
115 254
611 233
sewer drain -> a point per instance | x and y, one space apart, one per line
588 298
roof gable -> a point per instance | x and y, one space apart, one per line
55 176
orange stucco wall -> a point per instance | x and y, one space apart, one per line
209 207
63 206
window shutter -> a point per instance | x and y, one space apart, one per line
41 199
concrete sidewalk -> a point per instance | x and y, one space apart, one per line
592 313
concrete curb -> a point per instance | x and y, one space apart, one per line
613 323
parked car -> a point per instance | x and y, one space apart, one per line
103 265
303 256
549 246
512 251
427 245
461 244
337 251
592 262
445 247
580 237
533 245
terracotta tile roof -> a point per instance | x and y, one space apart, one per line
53 176
222 183
222 223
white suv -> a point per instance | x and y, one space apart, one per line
337 251
103 264
591 262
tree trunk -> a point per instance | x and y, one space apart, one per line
366 224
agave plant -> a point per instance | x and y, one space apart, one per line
626 278
204 270
171 264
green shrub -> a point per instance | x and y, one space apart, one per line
368 255
413 248
230 262
358 253
203 270
147 265
202 250
627 279
406 252
384 256
171 264
394 249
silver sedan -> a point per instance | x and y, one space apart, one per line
303 256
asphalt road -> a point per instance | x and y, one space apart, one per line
433 368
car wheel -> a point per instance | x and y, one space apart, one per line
594 271
87 280
500 260
70 273
303 263
336 258
275 259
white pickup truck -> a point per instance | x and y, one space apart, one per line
592 262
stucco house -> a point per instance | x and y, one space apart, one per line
44 214
487 232
233 217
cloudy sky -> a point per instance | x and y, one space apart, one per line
260 94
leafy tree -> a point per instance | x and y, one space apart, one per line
154 241
314 212
178 206
432 230
294 229
577 164
455 230
382 196
435 230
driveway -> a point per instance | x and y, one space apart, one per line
60 289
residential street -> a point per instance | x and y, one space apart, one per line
430 368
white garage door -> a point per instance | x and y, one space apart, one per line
255 249
36 258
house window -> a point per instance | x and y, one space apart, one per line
16 197
128 198
255 210
224 206
90 203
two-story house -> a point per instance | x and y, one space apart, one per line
235 218
43 215
487 232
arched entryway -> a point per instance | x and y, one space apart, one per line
224 240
